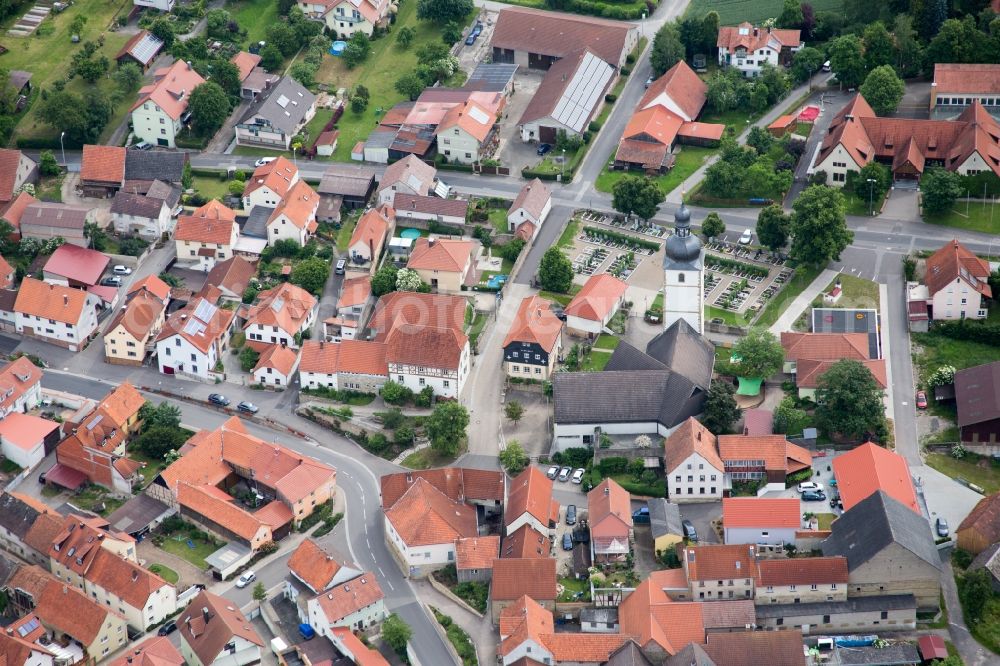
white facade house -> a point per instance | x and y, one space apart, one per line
22 438
424 556
695 479
58 315
270 183
346 17
239 652
161 110
836 165
533 204
761 521
446 382
356 604
295 217
147 215
276 367
749 48
139 613
193 339
407 176
22 387
595 305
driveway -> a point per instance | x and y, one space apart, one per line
916 101
701 515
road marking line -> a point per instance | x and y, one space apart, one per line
389 583
381 573
369 544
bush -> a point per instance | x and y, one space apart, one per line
475 594
594 126
377 443
396 394
625 71
132 246
613 465
611 98
391 419
799 477
573 457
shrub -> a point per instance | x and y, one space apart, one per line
613 465
377 443
594 126
611 98
575 456
625 71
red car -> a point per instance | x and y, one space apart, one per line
921 400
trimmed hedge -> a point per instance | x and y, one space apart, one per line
611 98
984 332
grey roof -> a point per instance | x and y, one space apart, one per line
988 560
8 567
159 189
875 523
61 216
692 655
154 165
630 654
898 654
684 350
256 224
137 513
491 76
657 396
284 106
888 602
627 357
599 615
19 78
137 205
379 138
15 516
664 517
352 180
683 250
145 47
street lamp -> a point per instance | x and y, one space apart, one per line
563 176
871 196
61 148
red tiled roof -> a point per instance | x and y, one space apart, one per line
16 378
286 306
682 86
532 198
355 291
202 339
600 295
535 322
279 358
746 36
777 452
609 510
245 62
525 541
103 164
348 598
444 255
824 346
155 651
967 78
171 88
774 648
234 274
277 175
809 371
410 170
372 229
476 552
49 301
983 519
425 516
154 285
208 638
558 34
530 492
718 562
77 263
15 210
424 330
361 654
582 648
523 620
691 437
954 261
359 357
514 578
802 571
204 502
761 512
782 122
458 483
9 161
25 431
313 565
869 468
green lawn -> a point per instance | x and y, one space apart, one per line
315 126
498 218
569 233
97 500
196 556
50 188
825 520
977 217
737 120
937 350
571 586
858 205
346 230
732 12
386 63
968 468
857 292
210 187
802 278
152 468
478 324
595 361
561 299
688 161
164 572
605 341
728 316
255 16
427 458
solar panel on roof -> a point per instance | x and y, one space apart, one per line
94 422
28 627
205 311
194 327
283 101
479 115
146 48
277 304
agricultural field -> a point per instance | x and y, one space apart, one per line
732 12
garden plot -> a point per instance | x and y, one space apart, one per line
742 280
618 221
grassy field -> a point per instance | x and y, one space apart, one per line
732 12
857 292
728 316
688 161
605 341
387 62
937 350
978 217
738 120
498 218
255 16
572 586
315 126
825 520
968 468
196 555
50 188
561 299
48 58
164 572
595 361
803 277
427 458
210 187
569 233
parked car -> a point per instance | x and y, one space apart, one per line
559 312
690 533
807 486
264 160
747 237
641 516
167 629
341 265
247 578
307 632
571 514
142 145
581 534
544 148
567 541
119 269
578 475
218 399
941 527
471 39
921 400
826 66
564 473
111 281
247 407
553 472
649 81
813 496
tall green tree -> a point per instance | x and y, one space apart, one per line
880 48
975 591
710 33
773 227
806 62
164 415
357 50
513 458
311 274
849 402
909 52
791 15
384 280
758 354
444 11
958 40
667 49
396 633
760 139
872 181
636 195
271 58
883 90
721 411
227 75
819 226
713 226
939 190
847 61
446 427
555 273
209 106
127 77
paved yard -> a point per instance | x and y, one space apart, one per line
533 431
513 152
644 557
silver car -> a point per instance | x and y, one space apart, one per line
564 473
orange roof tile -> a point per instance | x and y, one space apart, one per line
601 295
200 229
748 37
421 329
203 337
208 637
720 562
609 510
984 519
530 492
50 301
954 261
233 274
206 503
359 357
476 552
802 571
782 122
691 437
824 346
9 161
298 205
458 483
274 514
16 378
6 274
154 285
869 468
313 565
124 579
523 620
474 119
155 651
286 306
171 88
682 86
535 322
582 648
967 79
809 371
355 291
279 358
361 654
669 579
425 516
445 255
103 164
514 578
122 403
761 512
653 125
16 208
69 611
372 229
777 452
278 176
25 431
525 541
139 315
245 62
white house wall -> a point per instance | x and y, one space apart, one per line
760 535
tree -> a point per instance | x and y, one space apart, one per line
127 77
773 227
710 33
872 181
759 354
409 85
446 427
395 393
789 419
396 633
357 50
384 280
156 442
82 118
227 75
880 49
713 226
939 189
311 274
408 280
271 58
721 93
636 195
77 24
444 11
883 90
452 33
909 52
282 35
818 226
791 15
163 28
555 271
209 106
405 36
47 164
849 401
259 593
248 358
721 411
514 410
760 139
667 49
931 18
164 415
847 61
304 73
513 458
236 187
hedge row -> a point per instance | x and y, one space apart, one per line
983 332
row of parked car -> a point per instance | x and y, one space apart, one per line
222 401
566 474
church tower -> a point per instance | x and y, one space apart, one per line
683 275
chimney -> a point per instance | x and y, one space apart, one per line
607 490
697 435
204 614
189 65
65 300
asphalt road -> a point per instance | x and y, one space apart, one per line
362 533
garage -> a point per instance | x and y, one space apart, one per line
547 134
